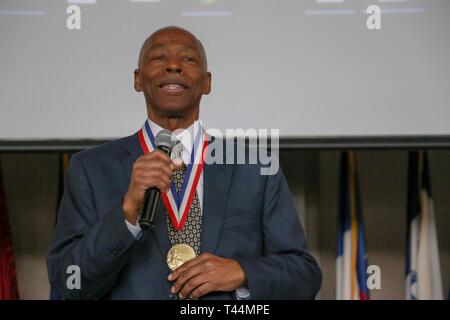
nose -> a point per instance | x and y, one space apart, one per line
173 66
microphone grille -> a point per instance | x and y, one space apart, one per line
164 138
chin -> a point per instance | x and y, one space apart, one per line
174 110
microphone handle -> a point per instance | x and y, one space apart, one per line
149 208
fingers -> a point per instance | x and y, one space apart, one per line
200 287
193 284
154 161
186 277
201 290
159 155
188 265
194 274
156 179
153 170
205 274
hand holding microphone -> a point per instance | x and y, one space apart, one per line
151 175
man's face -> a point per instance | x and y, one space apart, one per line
172 75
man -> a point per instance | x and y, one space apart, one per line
240 226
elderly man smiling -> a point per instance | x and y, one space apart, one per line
239 236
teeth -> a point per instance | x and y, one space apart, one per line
173 86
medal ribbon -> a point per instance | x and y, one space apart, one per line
178 205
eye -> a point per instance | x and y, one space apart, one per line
158 58
189 59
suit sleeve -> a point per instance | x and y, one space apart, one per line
287 270
98 244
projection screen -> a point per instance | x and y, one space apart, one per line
308 68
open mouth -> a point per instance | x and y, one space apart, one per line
173 87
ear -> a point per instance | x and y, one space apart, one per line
207 83
137 80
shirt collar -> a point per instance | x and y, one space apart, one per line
186 137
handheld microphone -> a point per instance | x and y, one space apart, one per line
164 143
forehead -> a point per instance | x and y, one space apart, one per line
173 38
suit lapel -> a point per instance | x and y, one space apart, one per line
216 183
134 151
159 231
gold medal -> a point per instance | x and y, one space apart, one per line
179 254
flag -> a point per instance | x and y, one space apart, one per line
423 272
351 261
64 159
8 278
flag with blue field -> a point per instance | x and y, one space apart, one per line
351 261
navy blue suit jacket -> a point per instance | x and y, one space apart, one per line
246 216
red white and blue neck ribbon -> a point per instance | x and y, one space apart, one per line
178 205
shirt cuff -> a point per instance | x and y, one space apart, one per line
242 293
135 230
